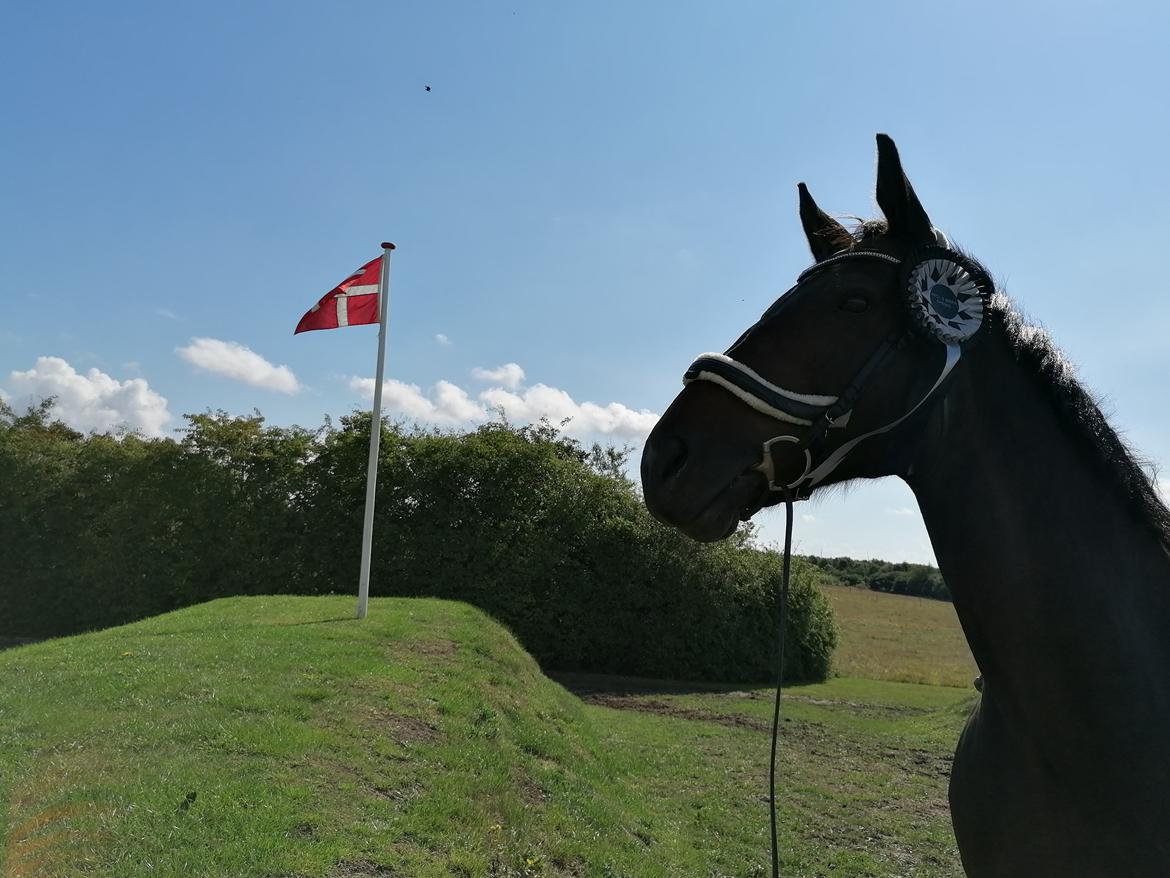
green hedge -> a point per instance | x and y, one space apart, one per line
550 538
893 577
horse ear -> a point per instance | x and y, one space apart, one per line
896 198
825 235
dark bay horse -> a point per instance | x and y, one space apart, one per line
893 355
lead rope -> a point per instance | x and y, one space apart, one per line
782 599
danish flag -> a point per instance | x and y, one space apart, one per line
352 302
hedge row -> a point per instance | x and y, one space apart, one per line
550 538
893 577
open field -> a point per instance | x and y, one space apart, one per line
904 639
277 738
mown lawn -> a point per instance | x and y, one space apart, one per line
277 738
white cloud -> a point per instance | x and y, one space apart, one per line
542 401
510 375
455 402
446 403
235 361
167 313
442 339
364 386
901 510
95 400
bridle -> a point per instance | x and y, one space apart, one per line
947 296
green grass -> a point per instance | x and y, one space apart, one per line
893 637
275 737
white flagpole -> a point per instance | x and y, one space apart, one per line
375 435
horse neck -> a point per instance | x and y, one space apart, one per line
1058 583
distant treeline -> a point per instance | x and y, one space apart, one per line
548 536
919 580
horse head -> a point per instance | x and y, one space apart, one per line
831 383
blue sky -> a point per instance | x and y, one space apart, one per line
594 192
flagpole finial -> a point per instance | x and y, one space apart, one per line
386 245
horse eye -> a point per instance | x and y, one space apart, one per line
854 304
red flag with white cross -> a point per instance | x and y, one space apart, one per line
352 302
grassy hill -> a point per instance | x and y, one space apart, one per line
278 738
893 637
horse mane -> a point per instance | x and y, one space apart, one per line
1075 406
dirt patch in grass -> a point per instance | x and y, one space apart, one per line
860 707
581 684
924 762
438 648
405 730
530 791
649 705
856 706
397 794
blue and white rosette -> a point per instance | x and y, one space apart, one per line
948 294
